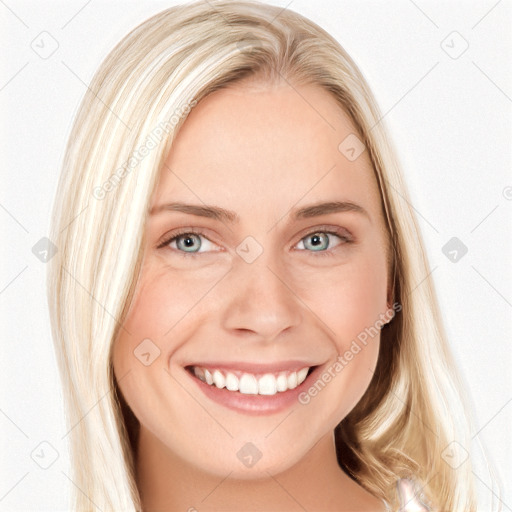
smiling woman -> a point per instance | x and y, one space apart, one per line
249 282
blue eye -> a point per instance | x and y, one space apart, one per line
320 241
188 242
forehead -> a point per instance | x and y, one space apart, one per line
256 145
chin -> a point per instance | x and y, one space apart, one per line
249 463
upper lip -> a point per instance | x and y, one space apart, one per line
255 368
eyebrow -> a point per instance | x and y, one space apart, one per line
217 213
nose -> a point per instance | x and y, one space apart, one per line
260 299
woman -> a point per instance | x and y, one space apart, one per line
213 357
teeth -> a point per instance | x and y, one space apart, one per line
292 380
282 382
219 379
301 375
231 382
267 385
248 384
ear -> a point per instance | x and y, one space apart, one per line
390 304
390 298
389 315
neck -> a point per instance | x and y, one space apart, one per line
316 482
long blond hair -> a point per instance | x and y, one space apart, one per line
413 414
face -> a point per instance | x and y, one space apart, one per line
263 296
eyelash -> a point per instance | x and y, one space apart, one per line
342 234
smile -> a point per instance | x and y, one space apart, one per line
253 389
252 384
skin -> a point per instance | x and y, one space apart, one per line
260 150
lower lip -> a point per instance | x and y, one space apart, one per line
255 404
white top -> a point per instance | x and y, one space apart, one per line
407 494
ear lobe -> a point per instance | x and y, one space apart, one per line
390 299
386 317
390 314
391 294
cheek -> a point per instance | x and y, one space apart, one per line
350 298
139 349
163 314
163 300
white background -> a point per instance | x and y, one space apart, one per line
450 119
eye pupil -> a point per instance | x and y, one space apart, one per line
316 240
188 240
